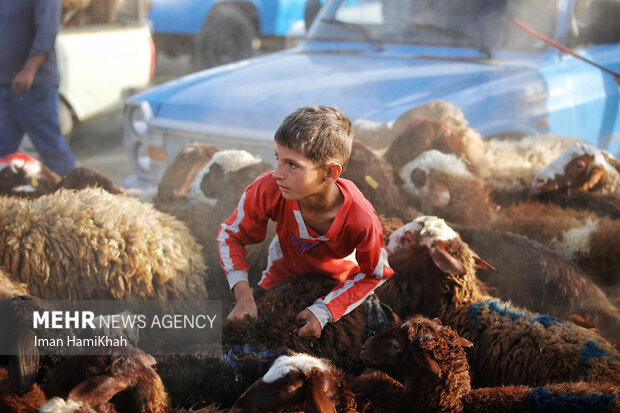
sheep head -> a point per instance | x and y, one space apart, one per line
427 357
83 177
296 379
579 168
375 178
432 255
183 170
127 376
22 175
419 136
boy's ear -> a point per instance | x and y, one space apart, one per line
333 170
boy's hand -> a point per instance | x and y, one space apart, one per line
243 308
311 327
245 302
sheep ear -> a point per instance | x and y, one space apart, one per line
148 360
439 194
596 174
316 399
612 161
446 262
23 368
98 389
465 343
480 263
425 361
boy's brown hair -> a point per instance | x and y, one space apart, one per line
321 133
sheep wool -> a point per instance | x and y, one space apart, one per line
91 244
513 345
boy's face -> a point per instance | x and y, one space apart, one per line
297 176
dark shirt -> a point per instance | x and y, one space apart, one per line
28 28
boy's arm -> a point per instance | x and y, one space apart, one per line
372 259
246 225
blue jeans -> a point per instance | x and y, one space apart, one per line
36 113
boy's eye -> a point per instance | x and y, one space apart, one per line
293 165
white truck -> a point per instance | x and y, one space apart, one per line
105 54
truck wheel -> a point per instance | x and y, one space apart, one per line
66 121
226 36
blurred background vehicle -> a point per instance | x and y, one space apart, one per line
376 59
215 32
105 54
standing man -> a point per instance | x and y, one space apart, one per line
29 81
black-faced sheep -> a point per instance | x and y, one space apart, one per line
432 361
122 378
304 382
514 346
504 163
90 244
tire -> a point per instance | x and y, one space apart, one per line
227 35
65 117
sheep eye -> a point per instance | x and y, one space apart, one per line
395 345
418 177
580 165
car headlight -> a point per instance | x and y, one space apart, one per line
139 117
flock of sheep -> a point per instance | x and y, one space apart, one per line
505 296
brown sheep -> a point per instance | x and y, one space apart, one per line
304 382
431 359
581 167
502 163
122 377
514 345
22 175
277 326
581 236
375 178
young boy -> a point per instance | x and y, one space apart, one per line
324 223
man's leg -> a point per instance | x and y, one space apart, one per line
11 133
37 112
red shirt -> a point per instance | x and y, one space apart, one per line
352 251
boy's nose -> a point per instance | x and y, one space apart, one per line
277 175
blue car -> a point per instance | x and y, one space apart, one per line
376 59
215 32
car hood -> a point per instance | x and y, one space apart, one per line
258 93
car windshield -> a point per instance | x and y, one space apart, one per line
483 24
